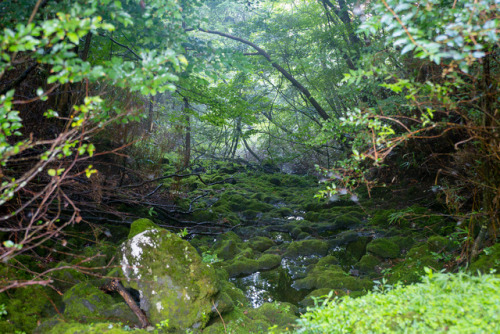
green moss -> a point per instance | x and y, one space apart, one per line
332 277
261 244
357 248
489 259
381 217
228 249
327 261
346 220
312 216
84 302
285 212
26 306
237 296
269 261
384 248
205 215
412 268
249 214
306 247
439 244
97 328
141 225
367 263
241 266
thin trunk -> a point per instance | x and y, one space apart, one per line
250 150
151 113
187 142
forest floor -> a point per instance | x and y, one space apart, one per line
275 248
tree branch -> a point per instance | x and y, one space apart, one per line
321 112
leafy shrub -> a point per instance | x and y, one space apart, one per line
457 303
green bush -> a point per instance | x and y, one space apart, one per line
457 303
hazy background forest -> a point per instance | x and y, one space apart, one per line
117 110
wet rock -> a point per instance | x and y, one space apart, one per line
384 248
171 278
306 247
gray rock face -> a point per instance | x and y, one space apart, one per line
173 282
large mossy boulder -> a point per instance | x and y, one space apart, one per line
173 282
85 302
306 248
384 248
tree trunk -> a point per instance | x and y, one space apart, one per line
187 142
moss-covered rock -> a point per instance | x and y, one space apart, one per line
306 247
261 244
384 248
269 261
85 302
358 248
489 259
242 266
367 263
228 249
332 277
173 281
141 225
237 295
